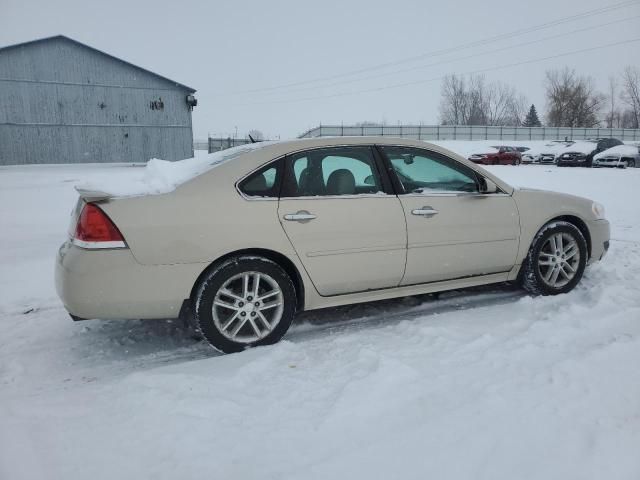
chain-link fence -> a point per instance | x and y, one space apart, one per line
465 132
217 144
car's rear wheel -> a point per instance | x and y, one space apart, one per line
244 302
631 163
556 260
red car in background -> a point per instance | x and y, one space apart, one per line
502 156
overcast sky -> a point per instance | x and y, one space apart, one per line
229 50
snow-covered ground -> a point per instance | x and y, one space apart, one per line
485 384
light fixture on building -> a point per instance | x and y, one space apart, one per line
191 101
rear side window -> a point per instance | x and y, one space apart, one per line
264 183
332 171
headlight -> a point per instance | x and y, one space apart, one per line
598 210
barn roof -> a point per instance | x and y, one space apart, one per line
75 42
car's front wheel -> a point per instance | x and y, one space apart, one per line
244 302
556 260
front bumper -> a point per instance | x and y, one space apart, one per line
608 162
600 236
480 161
111 284
572 163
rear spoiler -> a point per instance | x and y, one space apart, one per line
93 195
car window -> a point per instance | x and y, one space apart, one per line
263 183
332 171
420 171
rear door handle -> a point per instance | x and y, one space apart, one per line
425 212
301 216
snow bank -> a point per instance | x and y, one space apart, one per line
162 176
619 151
488 384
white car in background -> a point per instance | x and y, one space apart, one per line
547 154
622 156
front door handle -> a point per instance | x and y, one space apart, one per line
427 212
300 216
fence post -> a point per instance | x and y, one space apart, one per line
455 128
438 132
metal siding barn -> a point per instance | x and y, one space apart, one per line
64 102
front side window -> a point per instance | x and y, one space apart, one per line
332 171
420 171
262 183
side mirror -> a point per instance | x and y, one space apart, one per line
487 186
369 180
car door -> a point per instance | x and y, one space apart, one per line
454 231
345 224
509 155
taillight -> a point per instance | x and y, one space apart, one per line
96 230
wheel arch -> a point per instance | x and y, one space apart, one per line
578 222
282 260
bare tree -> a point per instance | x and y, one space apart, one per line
630 94
572 101
454 104
614 116
473 101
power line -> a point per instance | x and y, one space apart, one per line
484 41
418 82
453 60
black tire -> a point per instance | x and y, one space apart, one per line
202 303
531 277
631 163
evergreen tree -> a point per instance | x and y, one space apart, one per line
532 119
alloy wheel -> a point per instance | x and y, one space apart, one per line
248 307
559 259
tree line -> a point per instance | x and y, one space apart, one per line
571 101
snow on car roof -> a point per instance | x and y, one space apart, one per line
619 150
163 176
583 146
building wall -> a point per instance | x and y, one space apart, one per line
65 103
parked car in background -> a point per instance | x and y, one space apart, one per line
572 159
547 154
580 154
502 155
246 238
621 156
